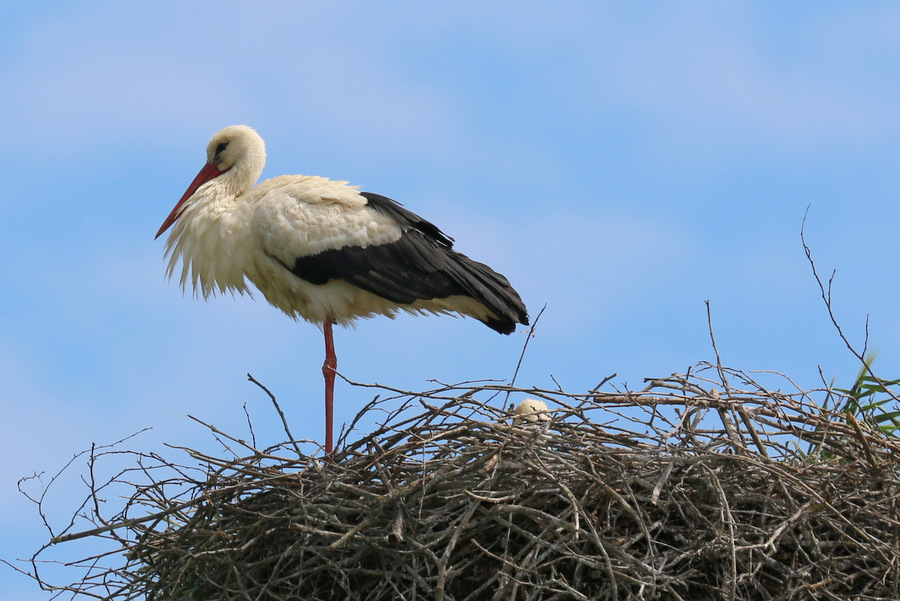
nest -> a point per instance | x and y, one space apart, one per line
679 491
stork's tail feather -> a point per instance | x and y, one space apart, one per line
493 291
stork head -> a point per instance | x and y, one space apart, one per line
237 146
236 150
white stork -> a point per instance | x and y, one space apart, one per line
321 250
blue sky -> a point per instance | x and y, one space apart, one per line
620 163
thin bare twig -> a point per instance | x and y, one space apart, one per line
284 423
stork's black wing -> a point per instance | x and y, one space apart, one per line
420 265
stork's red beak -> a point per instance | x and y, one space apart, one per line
209 171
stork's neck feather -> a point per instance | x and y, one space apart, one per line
240 175
212 236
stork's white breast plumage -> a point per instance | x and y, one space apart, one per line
320 249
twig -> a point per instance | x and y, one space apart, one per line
826 297
512 381
287 429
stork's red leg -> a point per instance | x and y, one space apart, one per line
328 369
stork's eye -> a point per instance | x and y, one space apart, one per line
221 147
